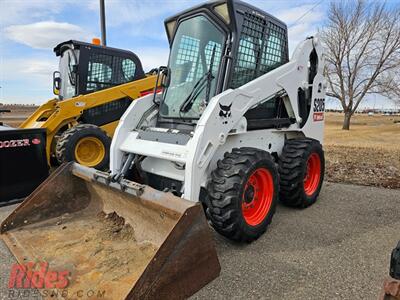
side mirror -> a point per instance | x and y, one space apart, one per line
161 81
165 78
56 82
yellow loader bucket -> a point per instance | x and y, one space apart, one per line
139 243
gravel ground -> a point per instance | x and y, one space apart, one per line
337 249
6 258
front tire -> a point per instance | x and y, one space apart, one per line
243 193
86 144
301 170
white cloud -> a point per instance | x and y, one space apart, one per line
12 11
307 13
300 32
39 68
152 57
120 12
29 69
308 25
26 77
45 35
26 80
29 79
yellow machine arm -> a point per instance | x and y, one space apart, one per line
57 115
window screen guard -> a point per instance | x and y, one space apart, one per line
105 71
262 48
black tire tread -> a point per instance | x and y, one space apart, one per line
291 170
64 141
226 180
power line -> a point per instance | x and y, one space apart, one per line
307 12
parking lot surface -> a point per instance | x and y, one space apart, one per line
337 249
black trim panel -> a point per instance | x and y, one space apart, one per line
106 113
23 162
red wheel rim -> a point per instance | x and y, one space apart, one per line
257 196
313 174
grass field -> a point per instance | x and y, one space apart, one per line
365 131
368 154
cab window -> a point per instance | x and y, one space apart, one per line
105 71
128 70
99 72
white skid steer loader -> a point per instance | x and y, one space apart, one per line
236 123
236 127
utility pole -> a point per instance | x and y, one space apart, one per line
103 23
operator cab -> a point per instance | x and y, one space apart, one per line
85 68
214 47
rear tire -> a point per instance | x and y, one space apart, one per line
243 193
301 170
86 144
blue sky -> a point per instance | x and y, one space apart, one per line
29 29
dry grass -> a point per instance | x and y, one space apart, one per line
368 154
18 114
375 131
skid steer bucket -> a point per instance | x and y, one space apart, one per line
139 243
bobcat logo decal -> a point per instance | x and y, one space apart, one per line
225 111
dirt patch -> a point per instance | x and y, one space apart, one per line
115 228
364 166
99 250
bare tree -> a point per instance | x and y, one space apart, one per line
362 41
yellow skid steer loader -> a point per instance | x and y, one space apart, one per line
236 127
95 85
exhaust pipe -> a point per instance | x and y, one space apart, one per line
103 23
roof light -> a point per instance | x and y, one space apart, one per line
222 10
170 28
96 41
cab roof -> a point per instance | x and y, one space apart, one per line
59 49
235 7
